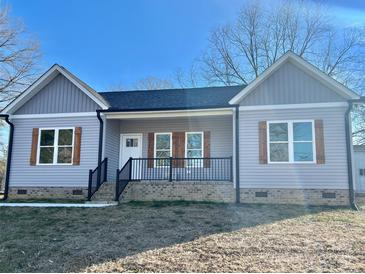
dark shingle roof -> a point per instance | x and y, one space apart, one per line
171 98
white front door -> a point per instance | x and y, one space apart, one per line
130 146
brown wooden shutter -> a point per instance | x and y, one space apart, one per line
77 146
178 148
33 152
207 149
318 126
151 147
263 142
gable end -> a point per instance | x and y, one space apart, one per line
58 96
321 81
290 84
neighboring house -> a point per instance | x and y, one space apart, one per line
284 138
359 163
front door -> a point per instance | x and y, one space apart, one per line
130 146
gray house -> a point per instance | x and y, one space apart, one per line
284 138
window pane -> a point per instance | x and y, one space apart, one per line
46 155
162 154
279 153
65 137
302 131
163 141
303 152
132 142
47 137
194 154
194 141
279 132
64 155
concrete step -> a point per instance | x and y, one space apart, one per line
106 192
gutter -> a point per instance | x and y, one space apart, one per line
237 158
10 150
164 109
349 156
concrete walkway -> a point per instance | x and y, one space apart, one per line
87 205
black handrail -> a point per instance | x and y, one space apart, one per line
97 177
123 178
182 169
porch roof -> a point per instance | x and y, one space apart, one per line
171 98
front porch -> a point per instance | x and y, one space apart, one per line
192 147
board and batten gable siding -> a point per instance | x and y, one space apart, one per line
24 175
59 96
290 85
331 175
111 146
220 128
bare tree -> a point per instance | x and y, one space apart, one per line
119 86
186 79
19 54
152 83
241 51
358 125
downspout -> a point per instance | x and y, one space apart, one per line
349 156
10 150
101 130
237 158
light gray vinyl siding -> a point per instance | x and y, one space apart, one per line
23 174
290 85
112 146
59 96
331 175
221 142
220 128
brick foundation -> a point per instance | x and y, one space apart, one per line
331 197
192 191
170 191
47 193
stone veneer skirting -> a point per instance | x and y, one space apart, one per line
47 193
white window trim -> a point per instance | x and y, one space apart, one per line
186 146
154 147
291 141
55 151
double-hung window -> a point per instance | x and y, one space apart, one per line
194 148
55 146
163 143
291 142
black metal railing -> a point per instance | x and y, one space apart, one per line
181 169
97 177
123 178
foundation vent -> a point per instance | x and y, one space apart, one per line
77 192
262 194
328 195
22 191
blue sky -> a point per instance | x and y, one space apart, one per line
116 42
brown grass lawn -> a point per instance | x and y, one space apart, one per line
161 237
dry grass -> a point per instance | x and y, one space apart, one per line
182 237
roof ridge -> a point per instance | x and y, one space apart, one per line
171 89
